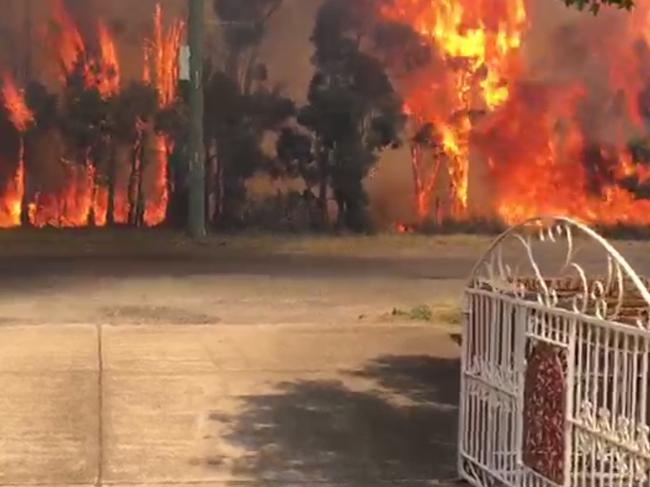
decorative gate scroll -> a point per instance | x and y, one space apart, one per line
555 363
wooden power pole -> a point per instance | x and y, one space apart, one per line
197 210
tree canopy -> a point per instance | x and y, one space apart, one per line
595 5
353 110
241 107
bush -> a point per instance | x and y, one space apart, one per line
288 212
478 226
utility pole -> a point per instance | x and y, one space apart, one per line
197 210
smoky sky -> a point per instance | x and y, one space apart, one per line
287 48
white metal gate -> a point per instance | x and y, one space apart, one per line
556 343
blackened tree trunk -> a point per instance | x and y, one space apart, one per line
323 185
26 200
134 181
92 168
140 206
141 196
211 182
112 176
28 192
221 188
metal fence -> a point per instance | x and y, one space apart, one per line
556 343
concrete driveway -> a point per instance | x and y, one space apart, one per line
217 405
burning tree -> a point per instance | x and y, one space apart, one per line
107 158
474 48
15 119
132 114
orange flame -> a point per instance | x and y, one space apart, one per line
72 206
479 56
108 76
156 204
163 52
81 200
101 72
14 101
68 42
21 117
12 196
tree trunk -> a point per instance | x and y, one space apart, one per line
341 217
24 205
221 188
134 181
27 190
323 185
112 175
92 169
211 182
141 203
141 198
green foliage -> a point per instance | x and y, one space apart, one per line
84 120
401 48
417 313
136 103
245 20
244 28
289 212
240 106
173 121
594 6
236 122
353 110
295 157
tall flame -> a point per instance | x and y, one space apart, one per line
563 147
68 42
479 41
82 197
14 101
108 76
163 52
21 117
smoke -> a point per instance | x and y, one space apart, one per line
25 25
287 48
605 54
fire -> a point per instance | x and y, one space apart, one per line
100 71
11 201
108 68
21 117
156 205
402 228
549 157
163 52
73 206
479 41
552 140
76 193
68 42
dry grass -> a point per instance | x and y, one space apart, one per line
444 314
26 242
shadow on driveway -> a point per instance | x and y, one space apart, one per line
400 430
